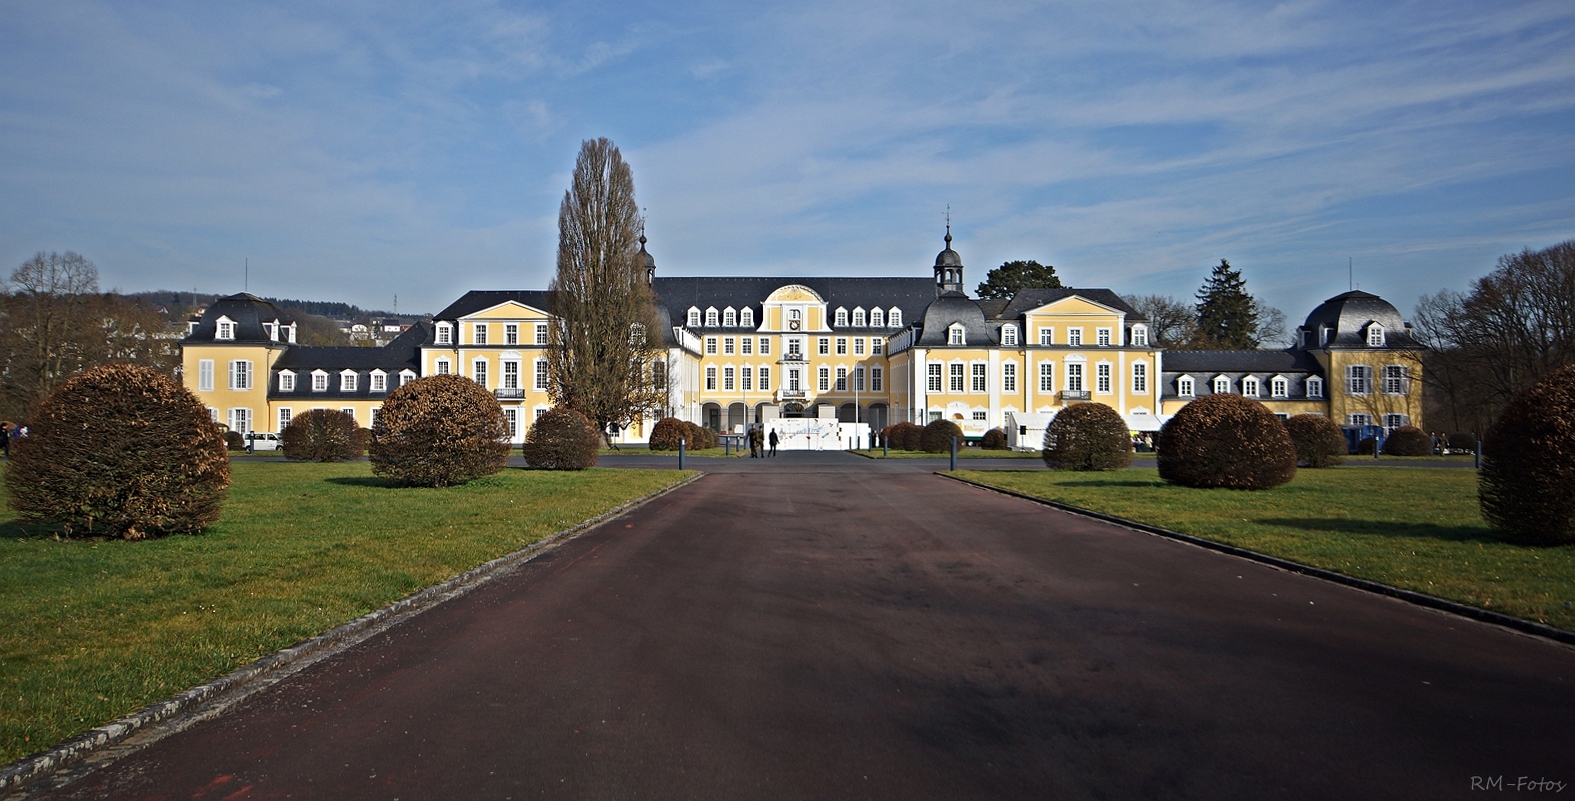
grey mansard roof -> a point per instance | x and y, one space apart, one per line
1029 299
401 354
1349 313
1240 361
479 299
955 307
911 295
248 312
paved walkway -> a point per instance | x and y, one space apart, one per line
823 626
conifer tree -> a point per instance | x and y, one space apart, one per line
1227 315
1014 276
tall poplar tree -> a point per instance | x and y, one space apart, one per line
1227 315
604 345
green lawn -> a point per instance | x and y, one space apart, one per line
96 629
1415 528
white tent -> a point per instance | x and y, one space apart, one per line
1025 431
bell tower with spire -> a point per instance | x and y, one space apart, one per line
948 266
646 260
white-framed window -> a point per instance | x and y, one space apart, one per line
1358 379
765 379
205 375
224 328
285 416
710 345
711 317
1283 416
765 346
694 317
1396 380
511 374
794 381
1279 387
729 345
1375 336
1139 378
842 379
877 346
979 382
444 334
541 375
1358 419
730 317
747 375
955 373
710 378
273 330
478 371
1140 336
481 333
406 376
538 412
1393 421
894 318
1046 376
286 380
1102 380
512 418
823 347
377 381
1074 377
858 318
1008 335
319 381
935 414
858 346
747 345
541 333
371 416
1047 336
877 318
746 318
1323 335
1102 337
1221 385
511 333
728 378
842 346
841 320
877 379
956 335
1185 387
1249 387
349 410
241 421
240 374
858 380
1074 337
981 416
347 381
933 377
824 378
1009 377
1314 387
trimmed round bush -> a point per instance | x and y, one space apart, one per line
1408 441
903 436
1226 441
120 451
562 439
234 441
439 431
668 432
1087 436
1317 440
1527 483
1367 446
321 435
937 436
700 437
993 440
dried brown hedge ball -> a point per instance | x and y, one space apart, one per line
1527 484
438 431
1317 439
937 436
321 435
120 451
234 441
1367 446
1088 436
903 436
1408 441
668 432
562 439
993 440
1226 441
700 437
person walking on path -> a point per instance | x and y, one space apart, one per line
756 443
773 443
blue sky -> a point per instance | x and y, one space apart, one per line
358 150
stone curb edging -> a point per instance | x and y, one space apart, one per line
1409 596
236 686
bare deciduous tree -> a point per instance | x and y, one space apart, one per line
1172 323
49 326
603 346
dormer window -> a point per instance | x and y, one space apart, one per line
1140 336
1279 387
1249 387
956 335
291 334
894 318
746 318
1314 387
858 318
406 376
1008 334
273 330
877 318
1184 387
347 381
1221 385
1375 336
711 317
730 317
445 334
286 381
842 318
224 329
378 382
1323 335
319 381
694 317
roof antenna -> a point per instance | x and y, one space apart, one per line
246 277
1350 273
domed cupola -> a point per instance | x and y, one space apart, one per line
648 261
948 267
243 318
1355 319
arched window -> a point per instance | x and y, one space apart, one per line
877 318
894 318
694 317
747 318
711 317
858 318
842 318
729 317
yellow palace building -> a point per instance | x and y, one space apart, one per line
747 350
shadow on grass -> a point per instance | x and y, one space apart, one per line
1382 528
365 481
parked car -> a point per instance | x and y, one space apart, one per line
263 441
